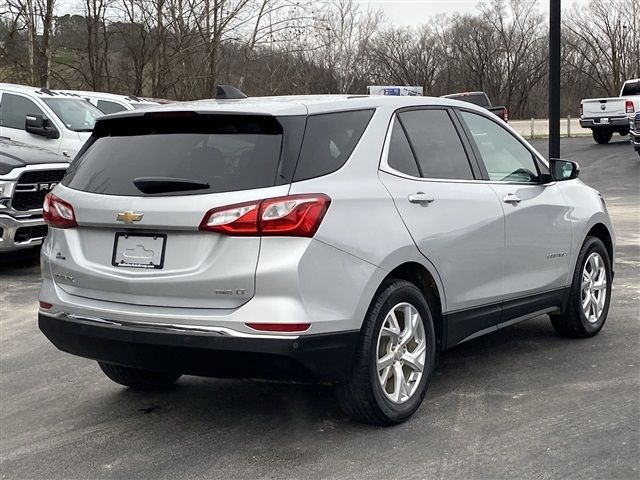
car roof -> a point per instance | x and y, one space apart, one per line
295 104
108 96
37 91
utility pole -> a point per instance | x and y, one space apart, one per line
554 78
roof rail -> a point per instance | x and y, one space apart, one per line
228 92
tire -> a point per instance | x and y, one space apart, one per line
573 322
361 395
624 132
602 136
139 379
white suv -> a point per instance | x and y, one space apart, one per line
43 118
346 239
111 102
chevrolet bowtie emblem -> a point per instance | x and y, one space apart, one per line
129 217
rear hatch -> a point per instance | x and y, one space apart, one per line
603 107
139 191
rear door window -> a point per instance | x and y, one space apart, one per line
437 146
225 152
329 140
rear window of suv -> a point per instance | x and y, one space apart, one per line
220 152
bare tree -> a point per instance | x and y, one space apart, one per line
605 41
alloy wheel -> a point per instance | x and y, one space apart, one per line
401 352
594 287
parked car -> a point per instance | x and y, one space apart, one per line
110 102
482 100
606 116
27 174
43 118
341 239
634 132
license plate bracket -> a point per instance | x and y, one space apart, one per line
139 250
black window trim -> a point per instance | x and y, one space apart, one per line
542 180
466 145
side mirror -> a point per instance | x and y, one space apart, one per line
563 169
36 124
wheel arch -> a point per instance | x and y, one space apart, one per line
419 275
600 231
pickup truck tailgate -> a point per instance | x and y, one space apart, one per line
603 107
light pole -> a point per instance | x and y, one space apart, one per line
554 78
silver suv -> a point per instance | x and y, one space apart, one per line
341 239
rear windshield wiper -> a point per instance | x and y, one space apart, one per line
168 184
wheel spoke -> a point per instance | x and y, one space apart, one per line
385 376
392 321
600 285
397 382
405 390
594 305
586 301
415 360
600 303
586 279
385 361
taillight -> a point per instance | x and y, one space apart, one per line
581 109
628 106
45 305
58 213
294 216
505 114
240 219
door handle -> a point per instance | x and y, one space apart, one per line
511 198
421 197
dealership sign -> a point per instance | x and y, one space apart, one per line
395 90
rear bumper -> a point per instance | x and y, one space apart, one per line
613 122
20 233
206 353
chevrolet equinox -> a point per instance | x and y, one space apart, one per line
335 239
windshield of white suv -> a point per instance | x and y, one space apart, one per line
77 115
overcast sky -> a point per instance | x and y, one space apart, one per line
416 12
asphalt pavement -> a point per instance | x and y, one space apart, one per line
518 403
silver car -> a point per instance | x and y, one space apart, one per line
331 238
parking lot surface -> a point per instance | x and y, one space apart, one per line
520 402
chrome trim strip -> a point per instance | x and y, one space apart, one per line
16 172
168 327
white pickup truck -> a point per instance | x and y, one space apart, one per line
605 116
